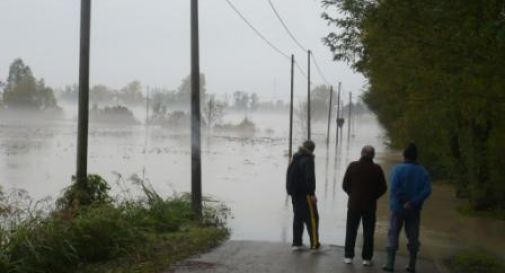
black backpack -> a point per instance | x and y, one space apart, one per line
291 186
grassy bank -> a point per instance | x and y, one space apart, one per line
89 231
475 262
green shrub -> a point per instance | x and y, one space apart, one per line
88 226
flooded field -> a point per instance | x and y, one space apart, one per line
246 172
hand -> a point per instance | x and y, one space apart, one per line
313 198
408 206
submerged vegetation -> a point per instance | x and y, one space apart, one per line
435 71
113 114
88 230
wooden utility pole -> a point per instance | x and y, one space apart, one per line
338 108
329 116
147 105
349 116
196 160
308 95
290 153
83 112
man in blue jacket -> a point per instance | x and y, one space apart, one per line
410 186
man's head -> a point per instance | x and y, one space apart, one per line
410 152
309 145
368 152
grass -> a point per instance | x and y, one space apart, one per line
475 262
467 209
89 231
161 251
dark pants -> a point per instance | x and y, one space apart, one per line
353 220
412 219
305 213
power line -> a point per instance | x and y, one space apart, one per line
257 31
290 33
319 69
286 27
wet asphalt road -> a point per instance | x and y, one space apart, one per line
253 256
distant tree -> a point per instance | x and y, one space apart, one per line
184 90
241 100
213 111
132 93
254 101
319 100
70 93
101 94
24 91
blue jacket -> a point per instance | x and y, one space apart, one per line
410 182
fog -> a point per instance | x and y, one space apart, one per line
148 40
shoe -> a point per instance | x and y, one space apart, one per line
388 269
367 262
316 247
409 269
348 260
297 248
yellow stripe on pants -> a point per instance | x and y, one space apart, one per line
312 222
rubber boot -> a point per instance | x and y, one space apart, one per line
412 262
390 261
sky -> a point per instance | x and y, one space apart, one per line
149 41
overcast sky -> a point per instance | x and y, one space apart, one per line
148 40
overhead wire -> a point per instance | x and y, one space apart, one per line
318 68
297 42
286 27
275 48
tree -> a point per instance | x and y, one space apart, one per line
184 90
132 93
436 77
213 111
319 100
241 100
24 91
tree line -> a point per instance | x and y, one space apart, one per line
436 77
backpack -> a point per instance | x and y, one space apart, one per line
290 178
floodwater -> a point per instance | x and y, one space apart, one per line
247 173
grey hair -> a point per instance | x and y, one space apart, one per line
368 151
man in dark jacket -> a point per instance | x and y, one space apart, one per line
410 186
364 183
301 185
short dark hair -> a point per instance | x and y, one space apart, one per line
368 151
309 145
410 152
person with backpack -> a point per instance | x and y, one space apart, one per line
301 186
364 183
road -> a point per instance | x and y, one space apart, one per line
269 257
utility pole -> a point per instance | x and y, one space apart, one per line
308 94
329 116
147 105
290 153
83 112
349 116
338 108
196 160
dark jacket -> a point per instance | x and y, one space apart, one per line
364 182
301 174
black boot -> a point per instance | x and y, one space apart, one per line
390 261
412 262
